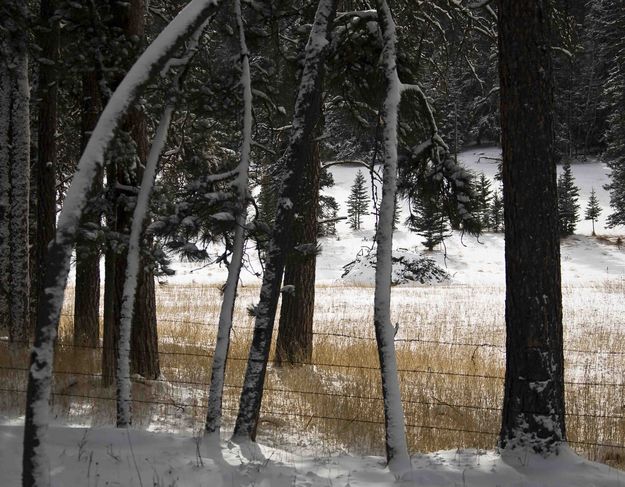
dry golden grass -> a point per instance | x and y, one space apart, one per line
450 353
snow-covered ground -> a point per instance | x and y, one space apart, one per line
467 260
112 457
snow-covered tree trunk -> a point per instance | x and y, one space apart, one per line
241 184
396 445
133 266
133 269
147 67
533 414
15 172
305 118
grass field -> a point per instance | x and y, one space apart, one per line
450 347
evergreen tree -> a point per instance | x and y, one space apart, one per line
328 212
428 220
485 196
496 212
328 207
608 29
396 213
593 210
568 206
358 202
616 187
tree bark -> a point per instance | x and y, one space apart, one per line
15 171
295 329
533 409
87 288
49 42
144 338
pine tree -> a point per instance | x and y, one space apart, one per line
496 212
396 213
485 196
568 206
358 202
428 220
328 207
593 210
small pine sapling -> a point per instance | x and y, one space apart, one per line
357 202
496 212
593 210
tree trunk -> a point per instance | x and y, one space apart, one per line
214 411
144 340
49 41
110 338
533 409
305 119
394 422
295 330
15 172
87 288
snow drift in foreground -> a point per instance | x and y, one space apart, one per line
108 456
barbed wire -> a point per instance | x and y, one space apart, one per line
208 354
309 417
351 336
341 395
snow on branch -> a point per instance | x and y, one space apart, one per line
361 14
436 138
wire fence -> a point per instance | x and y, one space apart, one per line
336 398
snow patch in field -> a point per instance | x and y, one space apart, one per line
408 267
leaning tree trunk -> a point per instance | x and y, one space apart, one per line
152 62
396 445
295 329
218 368
305 119
87 287
139 284
533 408
15 171
136 287
49 41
